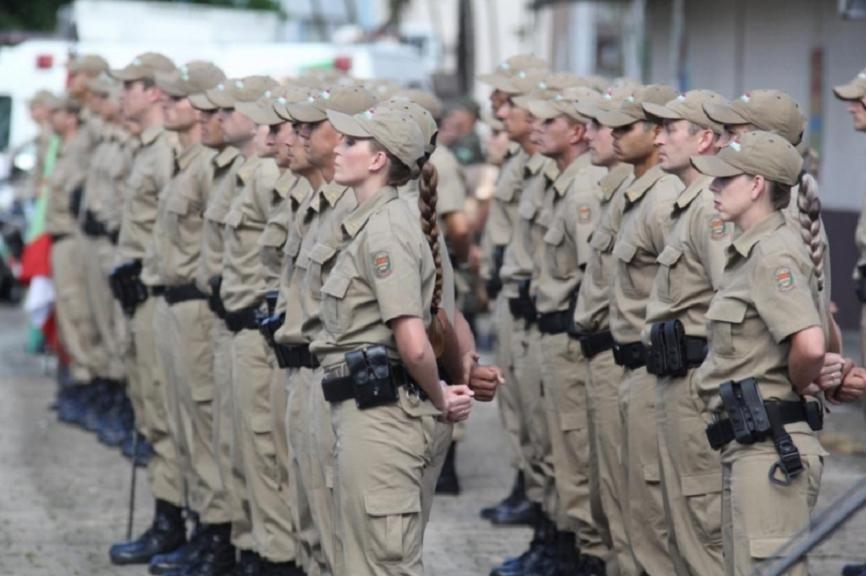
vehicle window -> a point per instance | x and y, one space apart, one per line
5 121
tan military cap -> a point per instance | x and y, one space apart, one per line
391 127
689 106
421 115
229 92
512 67
190 78
345 99
521 83
67 104
144 67
631 109
853 90
261 111
104 85
563 105
771 110
757 153
382 89
44 97
425 99
611 99
91 64
290 95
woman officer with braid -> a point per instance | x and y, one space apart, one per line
767 332
381 324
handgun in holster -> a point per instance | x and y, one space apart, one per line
214 299
127 287
268 326
494 284
372 381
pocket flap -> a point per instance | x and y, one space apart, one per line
699 484
569 421
177 204
527 210
651 474
554 235
762 548
321 253
727 310
261 423
336 285
601 240
234 218
624 251
669 256
272 237
293 245
392 502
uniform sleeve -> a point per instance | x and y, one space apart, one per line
658 216
580 221
392 264
163 167
783 296
451 190
711 236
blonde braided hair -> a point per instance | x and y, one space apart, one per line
810 224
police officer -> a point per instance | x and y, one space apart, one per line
690 271
760 355
641 239
377 304
150 172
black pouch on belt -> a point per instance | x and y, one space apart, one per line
675 348
370 370
746 410
214 299
656 355
861 284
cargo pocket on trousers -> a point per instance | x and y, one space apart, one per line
393 516
703 493
262 428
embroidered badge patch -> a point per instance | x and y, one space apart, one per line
784 278
584 213
382 264
718 228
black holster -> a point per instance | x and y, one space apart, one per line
126 286
92 226
672 352
494 284
523 307
214 300
268 326
861 285
372 382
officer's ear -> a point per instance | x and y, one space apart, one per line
759 187
379 161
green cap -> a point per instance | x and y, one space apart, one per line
758 153
391 127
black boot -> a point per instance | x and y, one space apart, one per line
543 563
218 555
182 557
448 482
249 564
591 566
536 556
166 533
280 569
518 494
99 405
854 570
567 558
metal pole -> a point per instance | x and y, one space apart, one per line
131 513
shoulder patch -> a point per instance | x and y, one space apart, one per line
718 227
584 213
382 264
784 278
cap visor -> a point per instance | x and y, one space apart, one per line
723 114
128 74
201 102
714 166
615 118
305 113
539 108
260 114
221 99
503 83
282 111
660 111
348 125
849 92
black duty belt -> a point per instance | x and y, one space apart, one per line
631 355
295 356
243 319
556 322
721 433
157 291
340 388
595 343
92 226
183 293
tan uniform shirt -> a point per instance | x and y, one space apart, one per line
692 263
503 209
223 190
177 234
243 282
288 194
518 261
766 296
593 300
451 190
645 224
70 171
151 170
573 206
386 271
110 209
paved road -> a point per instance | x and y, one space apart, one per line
63 497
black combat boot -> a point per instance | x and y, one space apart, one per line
448 482
537 556
217 558
249 564
183 557
591 566
280 569
567 557
518 494
166 533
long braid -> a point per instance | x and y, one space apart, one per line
810 224
430 226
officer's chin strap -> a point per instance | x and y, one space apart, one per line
788 466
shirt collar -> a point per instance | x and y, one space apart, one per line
332 192
150 134
566 177
694 190
186 157
743 244
535 163
356 221
640 186
248 168
226 156
612 181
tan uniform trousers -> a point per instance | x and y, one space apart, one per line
191 347
241 513
222 412
759 517
75 324
382 454
443 435
279 414
272 527
692 478
99 257
607 475
538 453
507 395
644 513
164 469
564 374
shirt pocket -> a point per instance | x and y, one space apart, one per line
320 256
669 275
234 218
177 210
625 253
725 317
335 311
556 253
